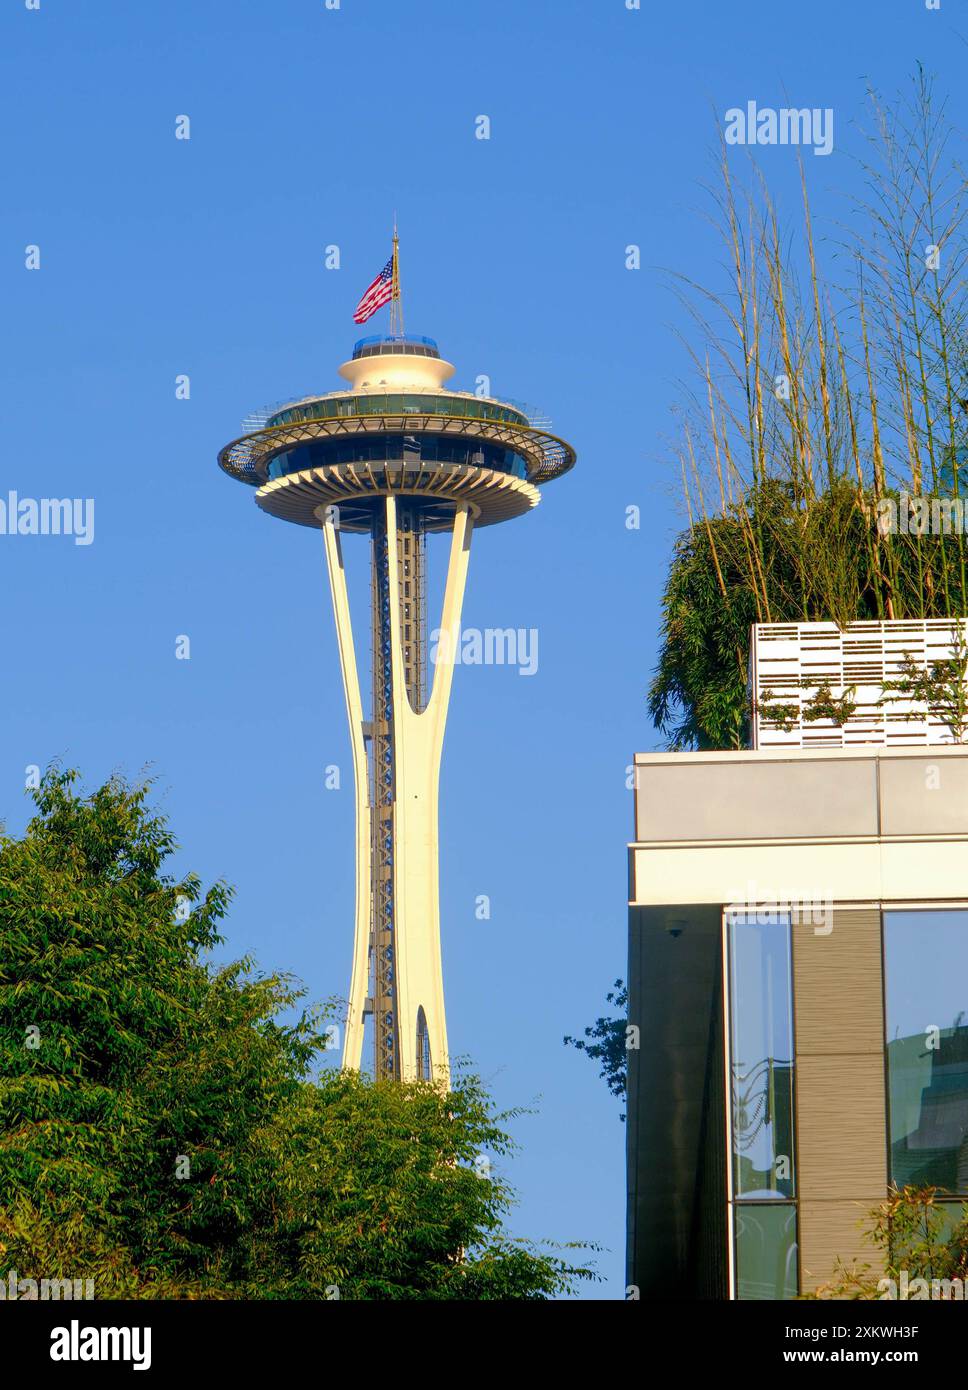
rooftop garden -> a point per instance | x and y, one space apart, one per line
822 443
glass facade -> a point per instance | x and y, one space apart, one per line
926 1018
415 448
385 345
761 1104
926 997
333 407
766 1250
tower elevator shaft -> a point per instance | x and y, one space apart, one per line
411 565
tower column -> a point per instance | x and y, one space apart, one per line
359 975
418 738
396 950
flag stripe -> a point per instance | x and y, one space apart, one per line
376 295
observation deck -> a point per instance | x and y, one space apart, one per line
397 431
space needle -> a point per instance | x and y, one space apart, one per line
396 456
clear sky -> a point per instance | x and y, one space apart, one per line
159 257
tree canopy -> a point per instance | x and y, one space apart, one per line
167 1125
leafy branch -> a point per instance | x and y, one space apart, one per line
826 705
607 1042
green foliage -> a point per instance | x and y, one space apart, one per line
823 704
699 696
942 686
605 1042
776 714
164 1132
912 1235
826 705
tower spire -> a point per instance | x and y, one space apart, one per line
396 303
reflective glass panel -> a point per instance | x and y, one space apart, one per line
766 1251
761 1055
926 964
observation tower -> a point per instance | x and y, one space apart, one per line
397 457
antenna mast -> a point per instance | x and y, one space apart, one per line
396 303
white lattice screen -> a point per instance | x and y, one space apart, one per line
791 661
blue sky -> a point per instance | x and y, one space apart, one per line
309 127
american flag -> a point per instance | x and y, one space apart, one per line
376 295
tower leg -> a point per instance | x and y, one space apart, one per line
418 737
353 1040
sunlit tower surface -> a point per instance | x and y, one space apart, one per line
397 457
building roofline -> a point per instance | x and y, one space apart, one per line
799 755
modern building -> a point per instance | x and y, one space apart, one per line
397 457
798 975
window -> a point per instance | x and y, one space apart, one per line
761 1056
397 404
766 1250
760 1037
424 1072
381 448
926 980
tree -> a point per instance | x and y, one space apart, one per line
167 1126
607 1043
